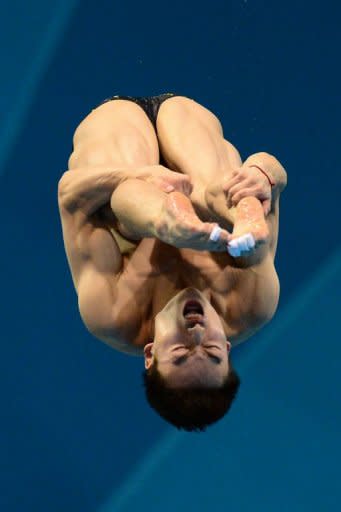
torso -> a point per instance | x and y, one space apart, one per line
152 271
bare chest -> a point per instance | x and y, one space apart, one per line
156 271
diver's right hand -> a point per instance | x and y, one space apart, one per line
165 179
178 225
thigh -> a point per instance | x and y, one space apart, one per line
191 141
117 133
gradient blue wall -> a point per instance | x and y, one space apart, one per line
75 432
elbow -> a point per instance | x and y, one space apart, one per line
261 319
66 201
265 317
63 186
267 304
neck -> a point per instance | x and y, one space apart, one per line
166 294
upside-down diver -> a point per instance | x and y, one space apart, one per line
171 241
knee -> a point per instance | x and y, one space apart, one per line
180 110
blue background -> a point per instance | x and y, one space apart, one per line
76 433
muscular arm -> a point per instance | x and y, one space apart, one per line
136 196
90 188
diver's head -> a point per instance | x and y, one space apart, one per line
189 342
189 378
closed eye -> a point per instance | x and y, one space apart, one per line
179 360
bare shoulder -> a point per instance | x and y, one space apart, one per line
87 239
255 300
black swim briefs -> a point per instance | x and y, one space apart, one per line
150 104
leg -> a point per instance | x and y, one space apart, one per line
191 141
116 134
119 134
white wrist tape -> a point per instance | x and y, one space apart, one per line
242 244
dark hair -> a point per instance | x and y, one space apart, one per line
190 409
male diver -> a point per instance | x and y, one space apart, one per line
171 241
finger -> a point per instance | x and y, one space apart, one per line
161 184
188 187
246 192
266 206
233 192
230 182
167 188
183 184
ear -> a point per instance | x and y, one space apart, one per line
228 346
148 355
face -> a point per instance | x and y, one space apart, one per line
189 342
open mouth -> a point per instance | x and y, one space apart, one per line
193 313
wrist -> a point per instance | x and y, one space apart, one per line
266 174
271 167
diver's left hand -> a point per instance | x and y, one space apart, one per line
247 182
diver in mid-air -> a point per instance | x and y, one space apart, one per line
171 241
